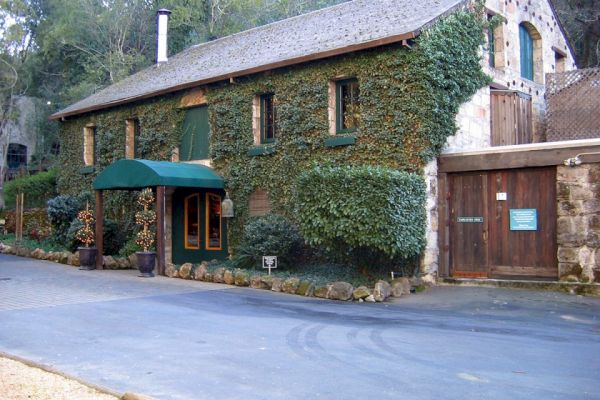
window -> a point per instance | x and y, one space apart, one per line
530 42
132 131
495 43
560 61
16 156
89 145
213 221
347 105
491 44
192 222
195 140
268 118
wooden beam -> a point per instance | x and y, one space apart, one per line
513 159
99 229
160 229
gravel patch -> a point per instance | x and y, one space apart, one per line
22 382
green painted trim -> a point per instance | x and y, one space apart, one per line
336 141
88 169
261 150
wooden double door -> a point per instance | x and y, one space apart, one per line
503 223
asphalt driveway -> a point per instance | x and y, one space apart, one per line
175 339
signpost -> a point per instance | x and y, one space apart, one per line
269 262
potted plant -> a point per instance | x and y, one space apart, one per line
85 235
146 259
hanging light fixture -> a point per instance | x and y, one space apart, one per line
227 207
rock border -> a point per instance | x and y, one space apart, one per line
342 291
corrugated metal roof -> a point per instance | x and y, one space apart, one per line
343 28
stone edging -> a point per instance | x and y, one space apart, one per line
343 291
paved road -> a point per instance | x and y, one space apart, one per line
175 339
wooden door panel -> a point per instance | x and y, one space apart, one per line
468 225
523 252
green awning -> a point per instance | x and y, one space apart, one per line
137 174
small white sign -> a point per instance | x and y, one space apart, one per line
269 262
501 196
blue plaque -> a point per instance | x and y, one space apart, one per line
523 219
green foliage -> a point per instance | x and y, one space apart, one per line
62 210
409 101
113 237
362 207
38 189
130 247
271 235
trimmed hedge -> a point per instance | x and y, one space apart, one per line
38 189
362 207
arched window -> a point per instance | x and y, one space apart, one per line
530 42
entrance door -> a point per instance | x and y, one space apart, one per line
468 233
503 224
199 232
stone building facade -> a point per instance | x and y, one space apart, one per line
502 62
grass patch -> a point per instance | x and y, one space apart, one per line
31 244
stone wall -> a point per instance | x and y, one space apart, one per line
578 228
474 117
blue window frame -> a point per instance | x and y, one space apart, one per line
526 46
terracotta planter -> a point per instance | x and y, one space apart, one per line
87 258
146 262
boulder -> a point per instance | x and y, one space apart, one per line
276 284
74 260
228 277
241 278
133 260
171 271
340 291
256 282
37 253
370 299
429 280
208 277
290 285
123 263
400 286
321 291
185 271
305 288
110 262
382 291
24 252
200 271
218 275
361 292
267 281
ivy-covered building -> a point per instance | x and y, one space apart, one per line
391 83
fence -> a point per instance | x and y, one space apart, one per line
573 105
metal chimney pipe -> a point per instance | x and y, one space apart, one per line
162 19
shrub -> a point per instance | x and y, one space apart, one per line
354 210
271 235
62 210
38 189
112 239
130 247
35 223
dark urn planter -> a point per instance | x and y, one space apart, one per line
87 258
146 261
